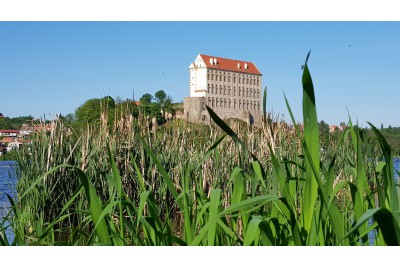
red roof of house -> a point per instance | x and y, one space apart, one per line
230 65
7 140
10 140
9 131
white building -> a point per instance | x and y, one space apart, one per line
232 88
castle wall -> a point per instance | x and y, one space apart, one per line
195 111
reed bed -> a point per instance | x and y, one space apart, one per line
227 183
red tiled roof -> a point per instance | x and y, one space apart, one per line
230 65
7 140
9 131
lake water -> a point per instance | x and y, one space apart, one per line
8 184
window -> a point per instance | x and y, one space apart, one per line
240 91
224 78
229 90
220 78
247 81
234 91
234 103
234 79
216 102
212 89
240 104
224 90
229 103
244 80
229 79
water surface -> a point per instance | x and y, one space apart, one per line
8 181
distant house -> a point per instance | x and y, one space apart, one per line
1 115
44 128
12 133
11 143
332 128
25 130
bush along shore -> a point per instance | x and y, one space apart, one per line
227 183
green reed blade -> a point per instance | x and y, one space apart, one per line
253 232
334 214
296 127
164 174
389 226
242 206
265 105
228 130
311 138
95 207
118 186
388 174
214 207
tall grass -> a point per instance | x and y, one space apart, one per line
227 183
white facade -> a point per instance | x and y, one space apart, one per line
198 78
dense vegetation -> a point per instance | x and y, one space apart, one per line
14 123
222 184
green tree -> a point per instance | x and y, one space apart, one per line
90 111
160 96
146 99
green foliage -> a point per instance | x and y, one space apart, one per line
10 155
224 184
160 96
89 112
146 99
14 123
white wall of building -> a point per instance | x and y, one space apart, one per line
198 78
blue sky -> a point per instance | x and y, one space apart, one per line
54 67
